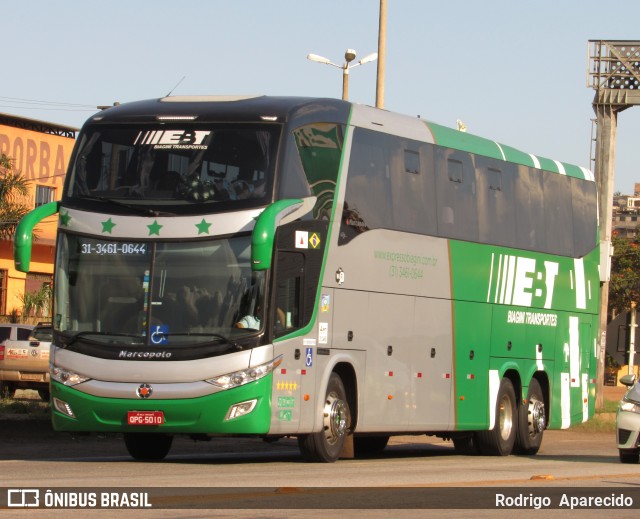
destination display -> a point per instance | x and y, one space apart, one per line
113 248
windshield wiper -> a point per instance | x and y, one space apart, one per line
134 207
213 335
83 335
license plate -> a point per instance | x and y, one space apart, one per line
145 417
33 377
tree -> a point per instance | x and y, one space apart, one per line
624 286
37 304
13 189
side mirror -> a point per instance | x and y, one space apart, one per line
628 380
264 232
24 234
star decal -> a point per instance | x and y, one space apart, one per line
203 227
65 219
108 226
154 228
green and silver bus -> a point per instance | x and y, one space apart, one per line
317 269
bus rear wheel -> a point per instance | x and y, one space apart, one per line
532 421
500 440
326 446
148 446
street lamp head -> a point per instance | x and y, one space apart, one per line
350 55
369 57
318 59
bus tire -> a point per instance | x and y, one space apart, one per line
326 446
368 445
148 446
500 440
532 421
629 455
466 445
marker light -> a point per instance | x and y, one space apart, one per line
241 409
244 376
63 407
176 117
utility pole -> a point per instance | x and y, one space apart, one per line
382 54
632 338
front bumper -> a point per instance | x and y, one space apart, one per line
201 415
628 430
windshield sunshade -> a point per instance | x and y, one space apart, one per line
175 165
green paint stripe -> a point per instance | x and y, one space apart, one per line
517 156
548 165
455 139
573 171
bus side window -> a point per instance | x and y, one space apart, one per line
288 315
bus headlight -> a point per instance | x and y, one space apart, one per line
244 376
66 377
630 406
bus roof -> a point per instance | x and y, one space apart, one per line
261 108
227 108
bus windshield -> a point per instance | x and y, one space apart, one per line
169 294
181 166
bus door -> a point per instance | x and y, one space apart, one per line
296 273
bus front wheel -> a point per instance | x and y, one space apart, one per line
629 456
326 446
148 446
500 440
466 444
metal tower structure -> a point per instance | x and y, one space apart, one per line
614 73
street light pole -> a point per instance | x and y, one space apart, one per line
382 54
349 56
632 338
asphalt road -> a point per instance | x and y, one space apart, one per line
246 477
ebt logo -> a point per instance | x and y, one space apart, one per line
521 281
172 137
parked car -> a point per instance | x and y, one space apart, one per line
628 421
24 358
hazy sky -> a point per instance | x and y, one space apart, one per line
513 71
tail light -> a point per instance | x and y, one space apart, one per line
1 352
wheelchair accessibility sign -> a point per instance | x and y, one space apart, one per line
159 334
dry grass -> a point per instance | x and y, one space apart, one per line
26 404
